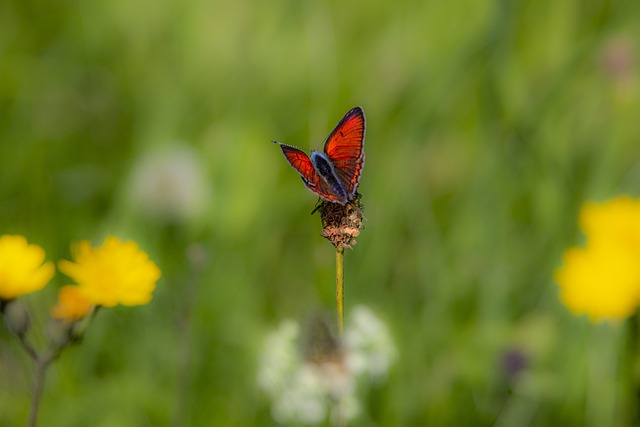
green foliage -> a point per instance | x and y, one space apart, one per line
488 123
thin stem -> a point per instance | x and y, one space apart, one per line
632 372
341 420
340 288
184 351
28 347
42 363
197 258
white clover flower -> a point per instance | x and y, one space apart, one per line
303 399
169 184
307 389
280 358
370 348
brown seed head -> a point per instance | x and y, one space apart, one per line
341 224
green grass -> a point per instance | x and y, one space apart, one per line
488 124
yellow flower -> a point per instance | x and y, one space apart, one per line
115 273
72 304
21 267
615 222
602 280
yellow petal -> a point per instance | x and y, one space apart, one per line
72 304
21 267
115 273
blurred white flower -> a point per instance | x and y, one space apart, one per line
307 388
169 184
279 358
372 351
303 398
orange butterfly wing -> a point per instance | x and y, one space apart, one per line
302 163
345 148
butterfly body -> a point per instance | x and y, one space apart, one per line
325 169
334 172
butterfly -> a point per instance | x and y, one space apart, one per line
334 172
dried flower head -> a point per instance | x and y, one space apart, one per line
341 224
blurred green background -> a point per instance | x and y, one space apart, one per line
488 124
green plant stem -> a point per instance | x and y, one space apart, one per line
28 347
633 370
340 419
340 288
184 351
42 363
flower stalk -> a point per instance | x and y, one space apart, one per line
42 363
340 288
632 374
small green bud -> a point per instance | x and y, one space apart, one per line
16 317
